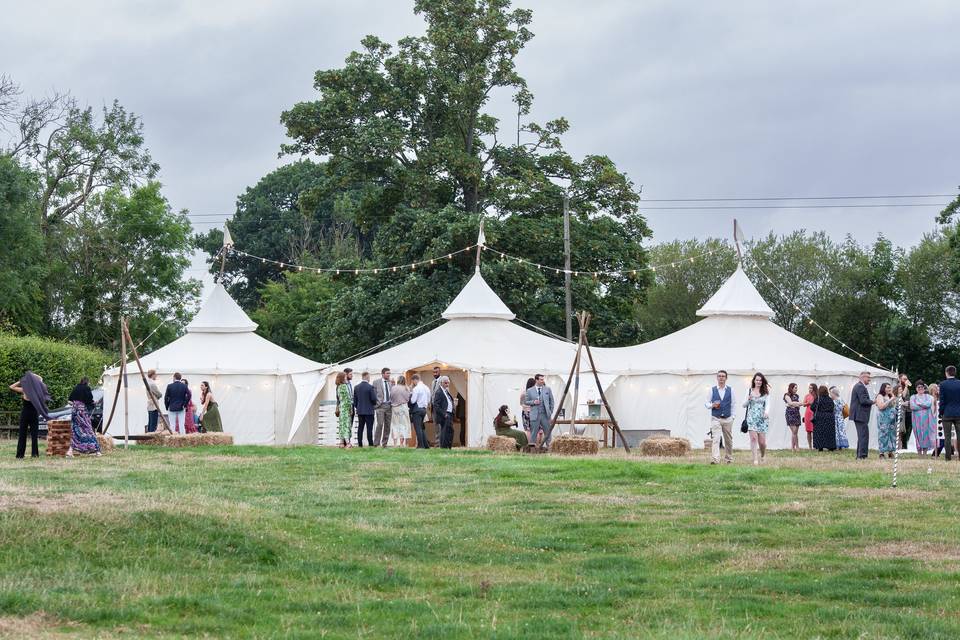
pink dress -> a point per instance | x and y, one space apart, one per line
189 426
808 414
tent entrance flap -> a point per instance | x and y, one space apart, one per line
459 379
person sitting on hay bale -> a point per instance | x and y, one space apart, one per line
503 425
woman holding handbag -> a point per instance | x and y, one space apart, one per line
758 416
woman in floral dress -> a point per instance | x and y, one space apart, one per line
189 422
82 437
841 422
924 420
758 416
887 419
343 410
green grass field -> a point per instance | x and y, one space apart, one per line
311 543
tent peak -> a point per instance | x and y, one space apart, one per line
477 300
221 314
737 297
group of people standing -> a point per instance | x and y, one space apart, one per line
932 414
388 408
182 413
36 398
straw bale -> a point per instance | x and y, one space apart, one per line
670 447
106 443
574 445
189 440
502 444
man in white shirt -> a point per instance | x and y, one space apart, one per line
443 408
419 399
720 402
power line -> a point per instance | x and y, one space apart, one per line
755 199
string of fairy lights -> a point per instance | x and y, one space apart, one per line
413 266
813 323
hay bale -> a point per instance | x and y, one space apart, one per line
573 445
177 440
502 444
106 443
669 447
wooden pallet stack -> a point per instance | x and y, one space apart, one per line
58 437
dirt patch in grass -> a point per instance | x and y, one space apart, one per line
82 502
911 550
886 493
37 625
757 560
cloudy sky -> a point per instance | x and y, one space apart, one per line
692 99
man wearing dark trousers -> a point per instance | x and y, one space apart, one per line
175 401
860 407
443 411
950 408
437 419
419 399
364 403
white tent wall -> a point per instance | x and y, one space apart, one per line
676 402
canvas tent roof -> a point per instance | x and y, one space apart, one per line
478 336
221 339
737 335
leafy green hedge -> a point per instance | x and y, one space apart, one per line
60 365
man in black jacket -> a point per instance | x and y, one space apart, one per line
860 407
364 404
443 408
175 400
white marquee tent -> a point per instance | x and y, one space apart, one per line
487 357
266 394
665 383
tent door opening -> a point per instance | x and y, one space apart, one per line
458 390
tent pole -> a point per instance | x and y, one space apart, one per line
566 389
143 376
126 384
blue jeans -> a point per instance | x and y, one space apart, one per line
152 419
416 416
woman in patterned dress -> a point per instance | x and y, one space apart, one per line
808 414
839 420
82 437
887 419
343 410
793 404
924 420
758 416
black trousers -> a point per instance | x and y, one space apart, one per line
28 419
863 439
417 416
368 421
446 431
907 427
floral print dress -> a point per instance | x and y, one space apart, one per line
842 441
887 428
344 405
756 413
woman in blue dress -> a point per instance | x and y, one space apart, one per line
758 416
842 441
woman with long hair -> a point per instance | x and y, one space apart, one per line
504 425
82 437
209 410
525 408
808 414
824 421
840 421
343 410
189 422
400 412
793 404
35 399
758 416
886 402
924 420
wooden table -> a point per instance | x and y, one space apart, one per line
605 423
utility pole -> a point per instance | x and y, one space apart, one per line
566 265
126 386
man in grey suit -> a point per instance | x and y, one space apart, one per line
384 411
540 400
860 407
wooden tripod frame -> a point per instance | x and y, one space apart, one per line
583 344
125 340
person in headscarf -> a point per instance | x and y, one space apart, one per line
35 398
82 437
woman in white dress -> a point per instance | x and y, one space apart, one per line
400 412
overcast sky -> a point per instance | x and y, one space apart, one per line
690 99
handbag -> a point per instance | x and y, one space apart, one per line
744 427
846 410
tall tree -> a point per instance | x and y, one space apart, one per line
124 255
22 260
